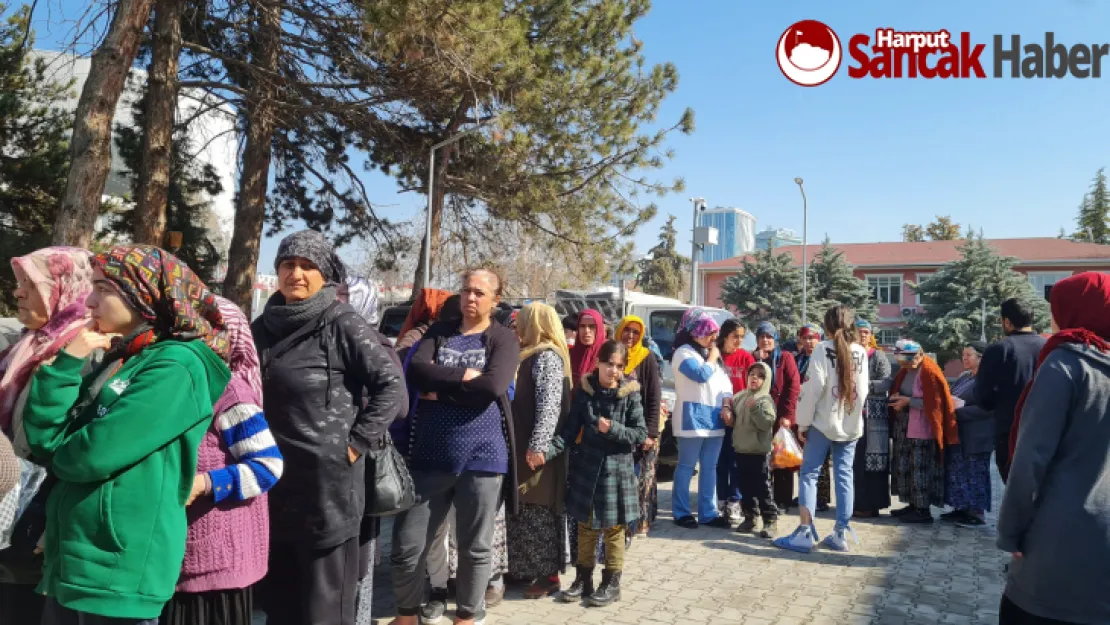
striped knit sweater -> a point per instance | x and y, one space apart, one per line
245 433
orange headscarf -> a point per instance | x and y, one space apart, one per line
425 309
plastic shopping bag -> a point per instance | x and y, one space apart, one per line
786 453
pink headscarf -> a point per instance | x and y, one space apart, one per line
62 276
245 386
583 358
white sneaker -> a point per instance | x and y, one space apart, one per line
801 540
838 540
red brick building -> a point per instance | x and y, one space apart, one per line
888 266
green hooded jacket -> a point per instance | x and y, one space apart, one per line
125 463
755 417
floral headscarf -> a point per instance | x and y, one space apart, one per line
63 278
245 386
698 323
167 294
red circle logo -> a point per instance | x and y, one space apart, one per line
809 53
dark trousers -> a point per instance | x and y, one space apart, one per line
55 614
728 477
1002 455
1010 614
782 483
755 483
312 586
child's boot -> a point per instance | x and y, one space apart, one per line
609 591
748 525
770 529
583 585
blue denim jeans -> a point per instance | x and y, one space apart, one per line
704 453
813 456
728 475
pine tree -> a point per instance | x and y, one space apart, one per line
832 282
954 299
663 273
767 288
34 147
188 208
1094 211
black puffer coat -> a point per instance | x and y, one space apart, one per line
327 386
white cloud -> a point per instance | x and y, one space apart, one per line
806 56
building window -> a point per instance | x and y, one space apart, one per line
1043 280
887 336
887 289
921 277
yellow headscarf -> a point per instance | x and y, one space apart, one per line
539 327
637 352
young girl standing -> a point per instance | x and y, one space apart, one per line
606 423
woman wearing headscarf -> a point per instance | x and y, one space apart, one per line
1054 516
701 385
871 469
238 462
362 294
537 534
425 310
924 422
52 285
785 386
587 344
116 532
332 390
968 465
644 369
736 362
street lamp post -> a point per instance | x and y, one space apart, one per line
698 202
431 194
805 225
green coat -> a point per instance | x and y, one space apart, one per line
755 418
125 463
601 480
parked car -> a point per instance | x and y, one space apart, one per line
393 319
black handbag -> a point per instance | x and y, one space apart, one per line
389 487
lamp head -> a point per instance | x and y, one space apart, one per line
798 181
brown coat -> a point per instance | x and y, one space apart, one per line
547 486
939 407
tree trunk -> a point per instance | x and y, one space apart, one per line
250 214
91 142
161 107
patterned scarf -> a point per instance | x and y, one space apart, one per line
62 277
170 298
362 294
245 386
1079 306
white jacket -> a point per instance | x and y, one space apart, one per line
700 388
819 403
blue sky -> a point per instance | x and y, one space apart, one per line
1012 157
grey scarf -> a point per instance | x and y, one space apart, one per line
282 319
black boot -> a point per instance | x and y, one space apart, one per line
583 585
608 592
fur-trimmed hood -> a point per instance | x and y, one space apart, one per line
627 386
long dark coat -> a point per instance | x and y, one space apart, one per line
601 481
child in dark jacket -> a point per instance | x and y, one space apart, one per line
605 425
754 420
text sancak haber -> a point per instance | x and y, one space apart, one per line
898 54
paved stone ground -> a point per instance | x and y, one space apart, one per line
901 575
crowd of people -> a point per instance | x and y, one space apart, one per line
166 461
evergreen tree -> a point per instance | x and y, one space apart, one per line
832 282
1094 211
767 288
663 273
34 147
954 299
188 210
